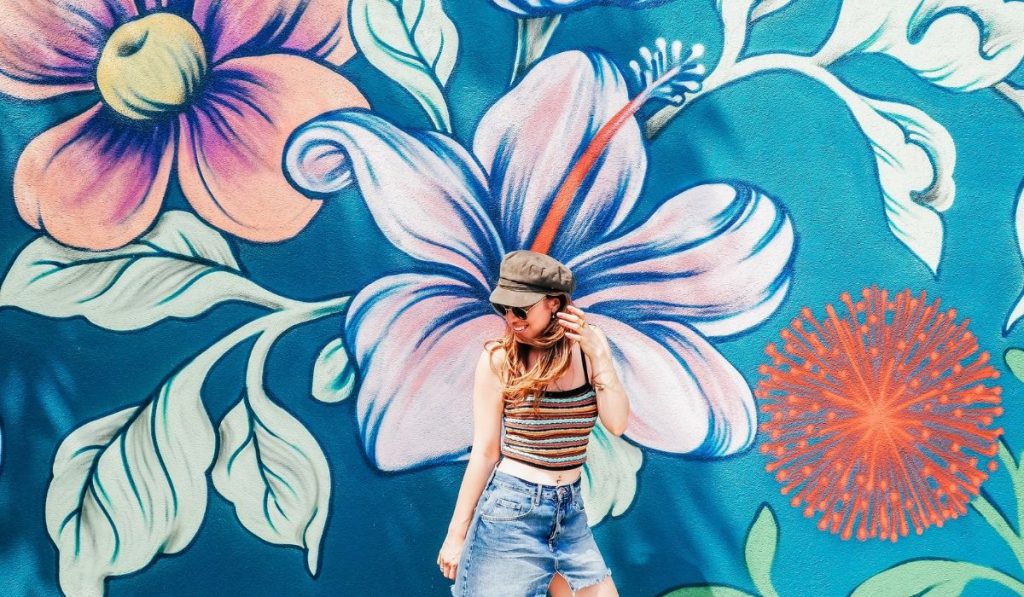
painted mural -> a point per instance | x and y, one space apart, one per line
247 247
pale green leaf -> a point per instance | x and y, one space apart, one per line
334 374
414 43
934 578
131 485
609 475
181 269
759 551
271 468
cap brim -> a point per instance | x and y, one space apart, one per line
515 298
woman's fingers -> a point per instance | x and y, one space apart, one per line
570 319
574 312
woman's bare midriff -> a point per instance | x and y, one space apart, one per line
538 475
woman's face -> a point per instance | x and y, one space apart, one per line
538 318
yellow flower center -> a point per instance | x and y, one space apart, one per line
151 66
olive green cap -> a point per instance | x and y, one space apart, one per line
525 277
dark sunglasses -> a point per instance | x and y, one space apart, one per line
519 312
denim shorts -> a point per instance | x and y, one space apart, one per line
521 534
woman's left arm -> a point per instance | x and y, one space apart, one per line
612 401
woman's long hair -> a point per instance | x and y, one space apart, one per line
554 353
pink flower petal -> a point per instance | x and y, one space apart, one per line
717 255
50 47
416 339
232 142
424 190
530 139
685 397
91 183
316 28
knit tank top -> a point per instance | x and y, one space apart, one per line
555 436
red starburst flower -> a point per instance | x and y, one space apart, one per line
876 419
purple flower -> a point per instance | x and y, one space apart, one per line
713 260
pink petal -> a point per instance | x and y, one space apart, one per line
424 190
685 397
232 142
530 139
50 47
315 28
92 184
416 340
717 255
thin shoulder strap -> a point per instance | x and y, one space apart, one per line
586 376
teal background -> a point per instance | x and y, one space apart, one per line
781 132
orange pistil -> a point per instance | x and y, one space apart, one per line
581 169
877 419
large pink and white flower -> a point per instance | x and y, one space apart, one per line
713 260
209 88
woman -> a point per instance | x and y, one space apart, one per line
519 524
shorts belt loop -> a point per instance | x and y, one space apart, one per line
572 492
536 495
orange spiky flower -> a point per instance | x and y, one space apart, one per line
877 419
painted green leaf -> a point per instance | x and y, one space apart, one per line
759 551
131 485
334 374
271 468
934 578
414 43
708 591
1014 358
181 268
532 38
609 475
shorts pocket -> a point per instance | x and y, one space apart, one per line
501 505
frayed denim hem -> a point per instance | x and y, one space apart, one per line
586 584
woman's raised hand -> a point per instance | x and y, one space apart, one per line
590 339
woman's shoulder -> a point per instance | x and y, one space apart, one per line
493 352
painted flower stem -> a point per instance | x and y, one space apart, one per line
532 37
999 523
1013 93
729 71
277 322
1002 578
994 517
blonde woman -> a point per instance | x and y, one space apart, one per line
520 525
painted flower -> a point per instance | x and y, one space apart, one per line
713 260
211 89
877 417
536 8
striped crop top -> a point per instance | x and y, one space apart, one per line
555 436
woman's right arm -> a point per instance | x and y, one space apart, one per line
487 409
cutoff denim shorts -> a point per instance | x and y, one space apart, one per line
521 534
